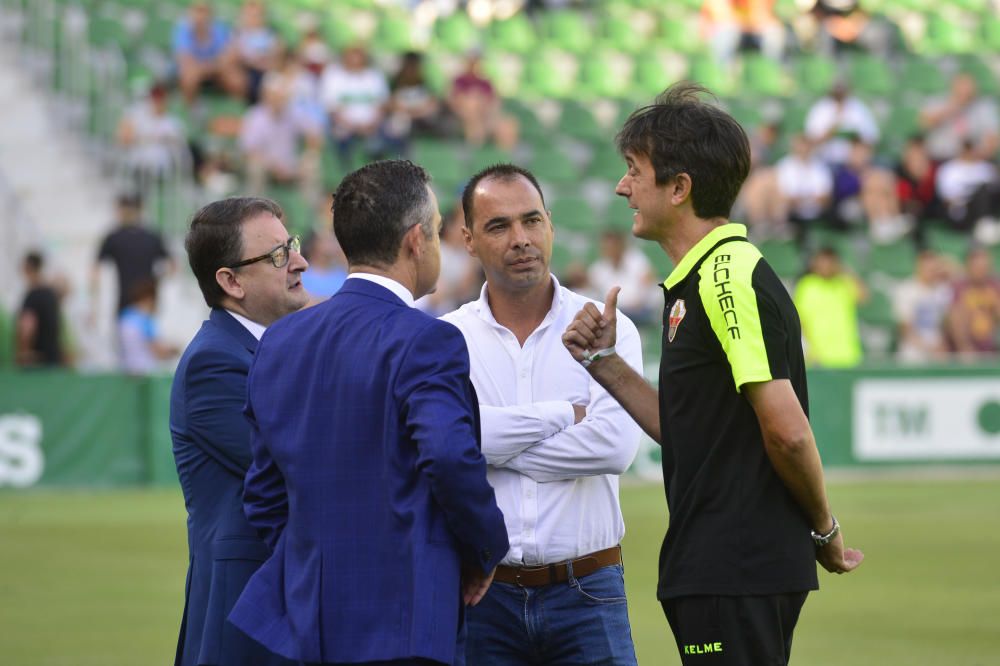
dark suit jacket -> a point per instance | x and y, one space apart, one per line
212 450
367 482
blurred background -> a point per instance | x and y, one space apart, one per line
874 194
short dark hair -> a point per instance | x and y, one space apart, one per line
215 239
376 205
680 133
502 171
34 261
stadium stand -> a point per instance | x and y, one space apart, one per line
567 76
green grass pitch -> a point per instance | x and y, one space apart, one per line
96 579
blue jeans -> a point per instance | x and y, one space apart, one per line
581 621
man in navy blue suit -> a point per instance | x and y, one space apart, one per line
367 478
249 272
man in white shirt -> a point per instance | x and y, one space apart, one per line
834 118
554 439
353 94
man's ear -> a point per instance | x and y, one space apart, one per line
229 281
467 237
413 241
680 189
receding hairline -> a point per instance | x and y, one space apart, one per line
505 177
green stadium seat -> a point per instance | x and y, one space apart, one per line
681 35
877 310
953 244
619 33
763 76
444 161
607 164
604 74
991 33
814 74
574 214
546 75
945 36
515 34
922 76
783 257
393 34
568 30
339 31
577 120
456 33
650 76
870 75
896 260
486 156
554 168
707 72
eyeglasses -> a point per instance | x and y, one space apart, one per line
279 256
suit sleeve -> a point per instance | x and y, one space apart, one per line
439 409
265 497
605 442
215 389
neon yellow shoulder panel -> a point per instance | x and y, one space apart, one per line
724 282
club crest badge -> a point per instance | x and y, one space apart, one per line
676 317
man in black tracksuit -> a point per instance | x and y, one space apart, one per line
749 515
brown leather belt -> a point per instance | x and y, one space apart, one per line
546 574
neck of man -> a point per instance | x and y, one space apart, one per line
679 240
400 272
521 310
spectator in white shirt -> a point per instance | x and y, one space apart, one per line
270 137
623 265
964 115
920 305
834 119
153 141
554 439
804 185
969 187
354 95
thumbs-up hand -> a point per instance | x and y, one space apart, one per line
592 330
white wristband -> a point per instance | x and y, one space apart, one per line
589 356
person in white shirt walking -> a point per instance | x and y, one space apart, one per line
554 439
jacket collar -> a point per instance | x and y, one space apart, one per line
228 323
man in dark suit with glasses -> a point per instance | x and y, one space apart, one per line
249 271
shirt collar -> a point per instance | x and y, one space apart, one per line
703 247
256 330
482 306
395 287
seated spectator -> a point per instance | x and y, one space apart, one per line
623 265
960 118
974 317
475 102
38 331
916 175
804 187
327 264
141 349
313 51
920 305
732 26
834 119
866 192
354 95
271 134
843 26
413 109
461 278
202 54
153 141
969 188
302 85
827 299
255 47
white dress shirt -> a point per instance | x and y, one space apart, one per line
256 330
555 481
390 284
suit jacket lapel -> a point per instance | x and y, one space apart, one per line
228 323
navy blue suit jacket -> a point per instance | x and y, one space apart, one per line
367 482
211 440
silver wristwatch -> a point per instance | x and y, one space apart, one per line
822 539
